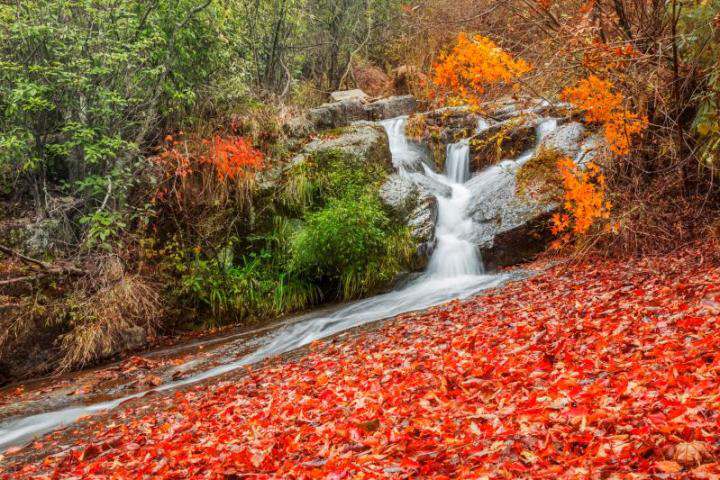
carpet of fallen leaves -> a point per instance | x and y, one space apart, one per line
599 370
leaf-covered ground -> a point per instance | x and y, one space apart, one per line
599 370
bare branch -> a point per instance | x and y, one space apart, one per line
45 266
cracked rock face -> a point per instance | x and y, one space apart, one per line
567 138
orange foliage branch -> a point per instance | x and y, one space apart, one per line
602 105
231 158
472 65
585 200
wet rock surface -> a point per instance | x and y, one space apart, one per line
512 229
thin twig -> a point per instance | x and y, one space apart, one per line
26 259
22 279
45 266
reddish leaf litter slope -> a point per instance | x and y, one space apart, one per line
602 370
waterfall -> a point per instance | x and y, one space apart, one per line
457 163
455 255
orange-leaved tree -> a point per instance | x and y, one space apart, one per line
584 200
472 65
603 105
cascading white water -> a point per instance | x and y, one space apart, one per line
455 255
454 271
457 162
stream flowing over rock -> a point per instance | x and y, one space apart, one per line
410 193
498 140
470 220
507 229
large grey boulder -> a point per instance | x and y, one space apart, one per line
567 139
422 222
365 143
400 194
504 223
392 107
355 108
414 204
338 114
509 228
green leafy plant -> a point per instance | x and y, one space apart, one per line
352 242
103 227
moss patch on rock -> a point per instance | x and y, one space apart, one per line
539 179
505 140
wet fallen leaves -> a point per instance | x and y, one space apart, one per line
603 370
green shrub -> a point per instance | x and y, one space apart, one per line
250 290
328 234
327 175
351 243
339 175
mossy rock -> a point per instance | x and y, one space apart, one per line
539 179
368 144
502 141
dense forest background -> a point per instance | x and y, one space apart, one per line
134 137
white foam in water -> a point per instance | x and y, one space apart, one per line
454 271
455 255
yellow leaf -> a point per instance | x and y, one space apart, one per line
668 467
